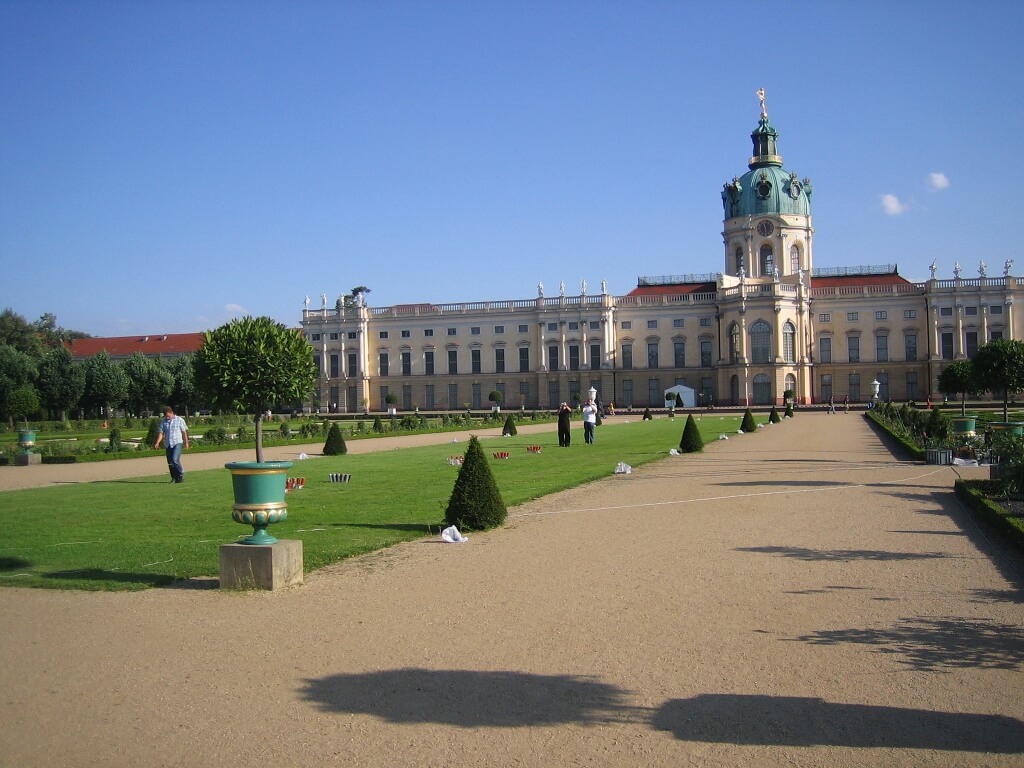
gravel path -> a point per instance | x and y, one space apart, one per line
794 597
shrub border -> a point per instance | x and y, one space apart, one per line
901 442
975 496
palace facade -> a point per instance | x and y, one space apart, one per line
769 322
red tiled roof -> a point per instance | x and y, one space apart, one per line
121 346
673 290
851 280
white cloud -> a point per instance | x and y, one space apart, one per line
938 181
892 205
236 309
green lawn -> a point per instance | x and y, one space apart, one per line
142 532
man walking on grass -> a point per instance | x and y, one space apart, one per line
174 435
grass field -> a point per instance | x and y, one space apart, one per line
143 532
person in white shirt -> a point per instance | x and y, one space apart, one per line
589 421
174 435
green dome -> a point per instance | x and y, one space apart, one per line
767 188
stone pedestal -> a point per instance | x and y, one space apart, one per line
26 459
261 566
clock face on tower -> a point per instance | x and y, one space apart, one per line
765 228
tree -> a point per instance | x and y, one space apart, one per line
495 397
510 426
106 385
959 377
18 333
475 503
23 402
184 393
61 381
691 441
149 383
999 367
335 445
17 370
251 364
52 335
773 417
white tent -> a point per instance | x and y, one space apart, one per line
685 393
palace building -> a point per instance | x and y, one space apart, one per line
768 322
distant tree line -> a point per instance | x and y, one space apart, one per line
40 378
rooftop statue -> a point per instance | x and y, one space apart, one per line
764 109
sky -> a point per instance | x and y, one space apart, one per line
167 166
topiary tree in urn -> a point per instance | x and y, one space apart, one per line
250 365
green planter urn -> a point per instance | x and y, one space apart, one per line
26 440
963 426
259 496
1013 427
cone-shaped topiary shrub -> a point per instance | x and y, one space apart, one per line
647 414
153 433
773 417
378 425
114 444
937 426
510 426
335 445
476 503
748 425
691 441
789 410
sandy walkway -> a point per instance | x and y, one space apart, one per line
795 597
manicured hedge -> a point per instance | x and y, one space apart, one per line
977 496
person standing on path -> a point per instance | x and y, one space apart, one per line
589 421
831 405
174 435
564 418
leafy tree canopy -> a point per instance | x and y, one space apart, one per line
959 377
999 367
252 364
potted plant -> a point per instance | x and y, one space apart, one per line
391 399
960 378
495 397
249 365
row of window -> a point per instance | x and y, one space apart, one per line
499 330
454 391
853 389
910 351
910 314
574 362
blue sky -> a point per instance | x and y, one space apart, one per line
166 166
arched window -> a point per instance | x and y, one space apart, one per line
739 259
760 342
762 389
791 383
767 260
789 342
734 343
794 259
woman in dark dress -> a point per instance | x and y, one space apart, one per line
564 417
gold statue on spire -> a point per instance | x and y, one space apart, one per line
764 109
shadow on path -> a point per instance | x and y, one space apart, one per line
938 644
842 555
469 699
804 722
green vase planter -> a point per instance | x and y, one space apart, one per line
26 439
259 496
963 426
1013 427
